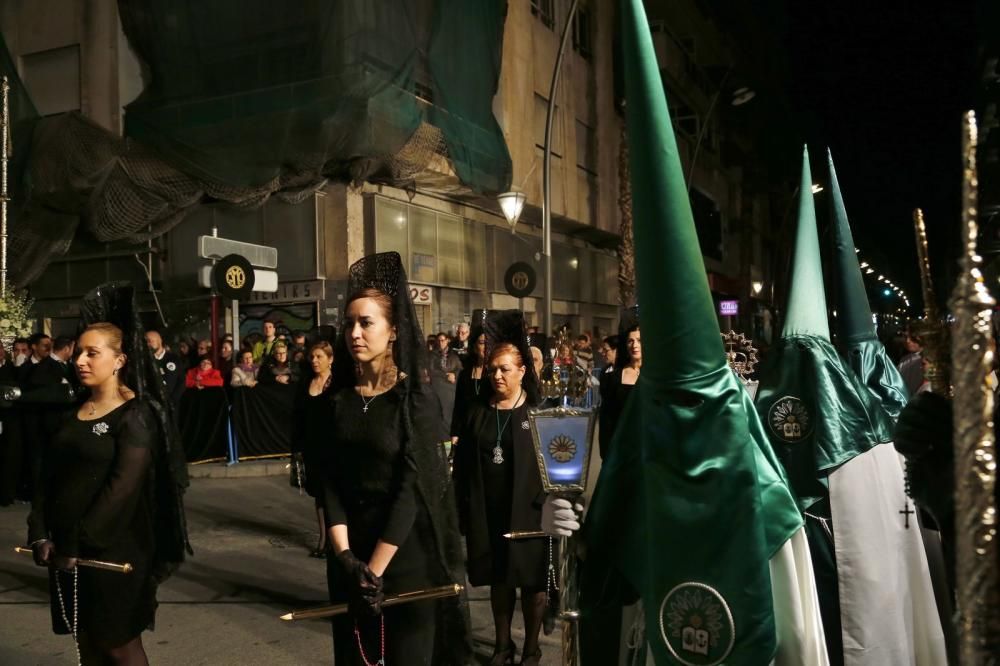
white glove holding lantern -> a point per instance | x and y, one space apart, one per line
560 517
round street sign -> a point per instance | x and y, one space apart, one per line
520 279
233 276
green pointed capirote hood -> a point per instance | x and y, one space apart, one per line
854 317
806 312
863 350
675 302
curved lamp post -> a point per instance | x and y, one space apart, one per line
547 172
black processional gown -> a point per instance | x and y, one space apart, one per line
468 391
310 424
614 394
96 502
500 494
373 482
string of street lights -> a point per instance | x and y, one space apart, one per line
890 288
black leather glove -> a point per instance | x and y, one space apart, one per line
43 552
364 587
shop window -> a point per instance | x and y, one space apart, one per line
439 249
391 227
423 245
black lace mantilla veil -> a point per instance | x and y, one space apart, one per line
384 272
507 326
114 303
628 319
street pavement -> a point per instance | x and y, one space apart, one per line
251 538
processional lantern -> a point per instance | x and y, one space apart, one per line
563 440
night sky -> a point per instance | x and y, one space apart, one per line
884 85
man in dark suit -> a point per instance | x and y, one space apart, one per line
170 367
48 391
56 367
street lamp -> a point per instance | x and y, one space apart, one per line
816 189
547 171
512 203
757 286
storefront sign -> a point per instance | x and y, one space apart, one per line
290 292
421 295
729 308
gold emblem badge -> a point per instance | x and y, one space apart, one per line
697 625
789 420
562 448
236 277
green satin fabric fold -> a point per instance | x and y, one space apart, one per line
695 493
870 362
837 416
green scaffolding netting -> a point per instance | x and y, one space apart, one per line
251 93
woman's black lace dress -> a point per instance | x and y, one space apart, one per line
370 478
96 502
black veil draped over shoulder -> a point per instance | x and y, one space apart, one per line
385 273
114 303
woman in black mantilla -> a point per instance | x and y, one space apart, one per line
499 489
390 513
473 384
112 488
616 386
310 420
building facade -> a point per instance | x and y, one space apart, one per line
73 56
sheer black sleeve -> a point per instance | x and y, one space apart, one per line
135 441
37 529
404 507
333 513
423 408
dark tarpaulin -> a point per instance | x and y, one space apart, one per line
203 423
262 419
250 92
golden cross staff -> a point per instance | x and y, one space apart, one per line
442 592
117 567
936 352
973 351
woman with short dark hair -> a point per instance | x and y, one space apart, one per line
499 490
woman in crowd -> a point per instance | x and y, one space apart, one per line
617 385
473 385
564 355
311 420
499 489
111 490
245 374
203 375
278 369
389 510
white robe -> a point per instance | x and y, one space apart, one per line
888 612
801 641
